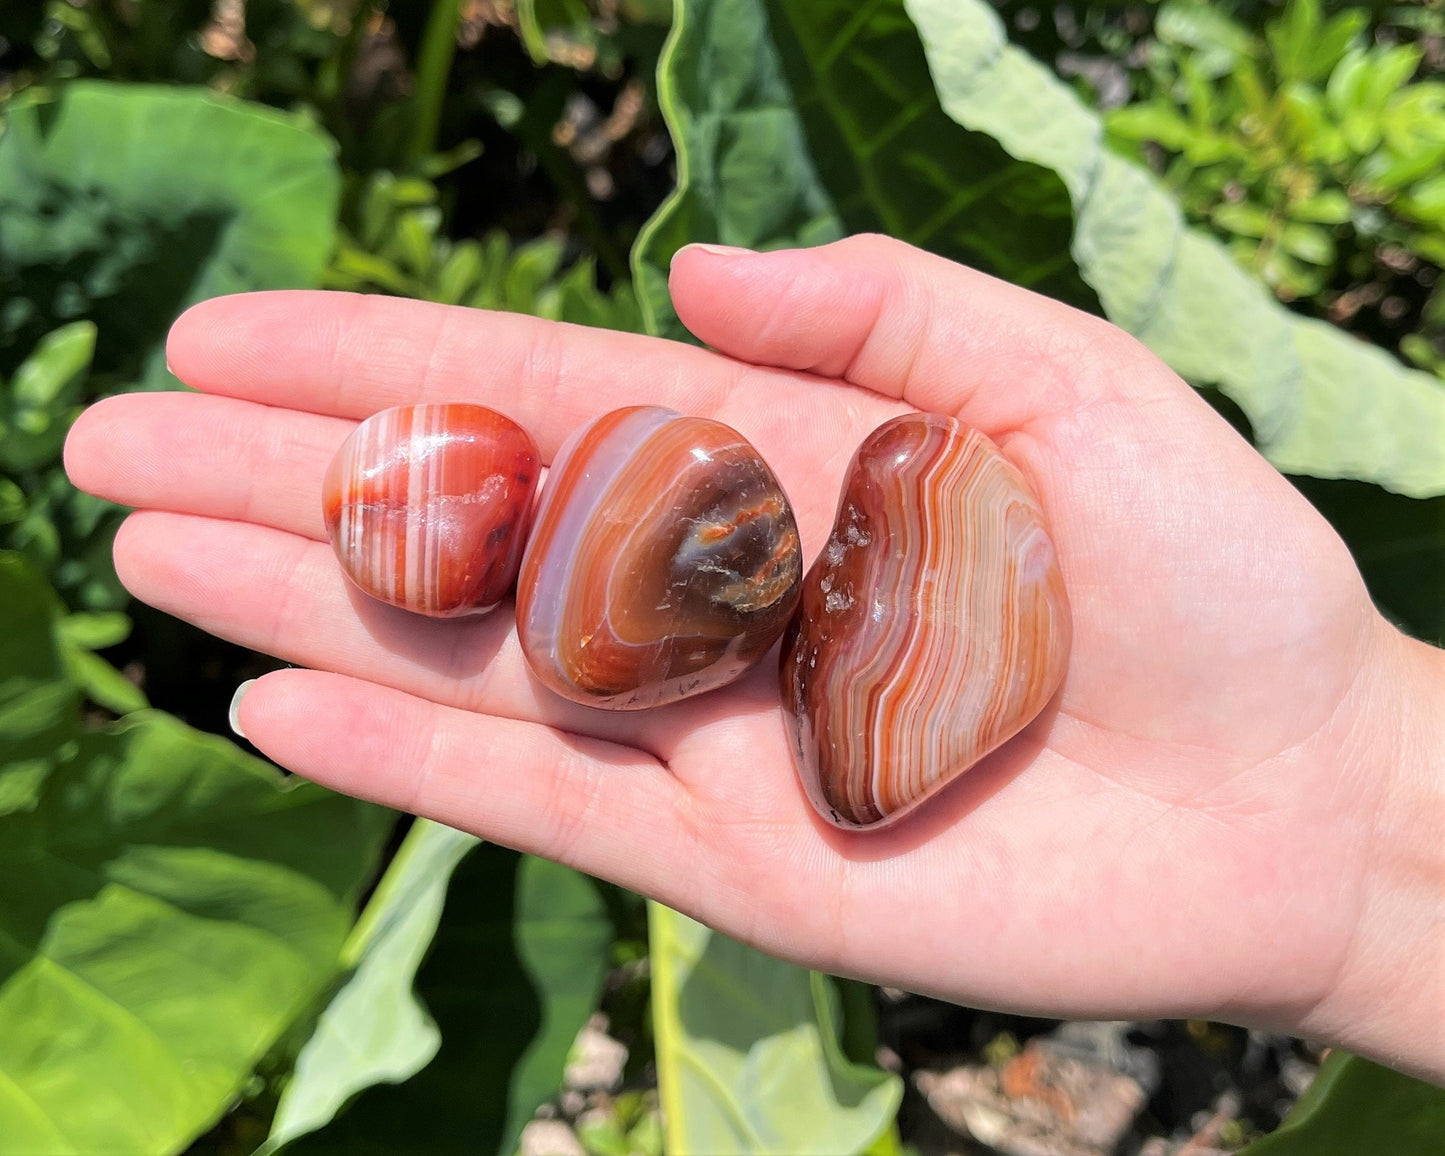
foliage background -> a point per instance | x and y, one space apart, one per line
197 954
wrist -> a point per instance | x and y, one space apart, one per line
1387 1000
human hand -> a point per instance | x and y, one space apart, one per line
1209 820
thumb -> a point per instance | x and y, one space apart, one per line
893 319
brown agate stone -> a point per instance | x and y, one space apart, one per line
664 561
933 627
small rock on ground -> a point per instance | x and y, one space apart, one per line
1046 1101
549 1138
597 1060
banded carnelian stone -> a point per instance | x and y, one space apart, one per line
933 627
427 506
665 561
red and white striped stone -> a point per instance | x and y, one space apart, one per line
933 627
428 506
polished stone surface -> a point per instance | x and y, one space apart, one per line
933 627
427 506
664 561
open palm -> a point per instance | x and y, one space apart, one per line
1173 836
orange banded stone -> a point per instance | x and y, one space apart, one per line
664 561
933 627
427 506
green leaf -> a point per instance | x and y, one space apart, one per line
580 302
1309 243
796 121
36 538
1244 219
1355 1106
515 969
744 173
1307 130
125 203
400 220
1155 121
415 240
167 907
747 1052
102 683
439 164
604 1138
1306 47
1217 42
353 268
41 402
1292 37
586 35
1389 70
1386 172
754 172
1426 203
531 268
1414 131
1327 207
1320 402
1337 37
51 375
70 535
551 27
1348 90
630 1127
374 1030
95 631
459 272
39 707
12 502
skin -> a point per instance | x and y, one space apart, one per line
1232 808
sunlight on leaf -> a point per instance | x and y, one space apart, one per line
747 1052
1320 402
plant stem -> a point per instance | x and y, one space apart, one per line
438 46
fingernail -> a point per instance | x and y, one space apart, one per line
235 712
718 250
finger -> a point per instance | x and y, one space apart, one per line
285 596
602 808
213 456
906 324
349 356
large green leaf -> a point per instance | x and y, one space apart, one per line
1355 1107
126 203
748 1058
1320 402
744 172
798 120
374 1030
167 903
167 906
515 969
